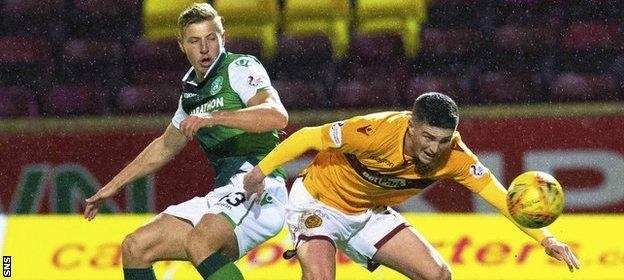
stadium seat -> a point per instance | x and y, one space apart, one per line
401 17
102 18
148 99
366 94
160 61
376 49
376 60
454 87
593 10
534 13
78 99
22 58
459 41
509 87
252 19
300 94
17 101
376 56
448 50
329 18
592 35
38 14
160 18
523 48
244 46
590 46
524 39
304 57
96 61
453 13
584 87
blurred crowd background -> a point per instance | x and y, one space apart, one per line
120 57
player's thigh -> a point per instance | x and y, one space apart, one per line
317 258
409 253
252 222
216 231
160 239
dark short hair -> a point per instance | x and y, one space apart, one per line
436 109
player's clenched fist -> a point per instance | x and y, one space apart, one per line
193 123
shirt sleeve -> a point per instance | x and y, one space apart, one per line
468 170
336 135
344 135
179 115
247 77
301 141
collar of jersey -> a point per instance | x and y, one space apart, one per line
190 74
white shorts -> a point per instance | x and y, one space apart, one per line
253 223
358 236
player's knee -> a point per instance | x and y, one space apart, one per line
132 247
193 241
200 237
442 272
320 274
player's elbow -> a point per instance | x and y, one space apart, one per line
276 119
281 121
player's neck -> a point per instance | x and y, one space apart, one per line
199 77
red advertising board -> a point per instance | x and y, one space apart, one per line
41 173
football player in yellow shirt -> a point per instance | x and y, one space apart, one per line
367 164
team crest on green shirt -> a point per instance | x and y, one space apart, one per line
242 62
216 86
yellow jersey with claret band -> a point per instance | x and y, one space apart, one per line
362 164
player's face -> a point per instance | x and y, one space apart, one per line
430 142
201 42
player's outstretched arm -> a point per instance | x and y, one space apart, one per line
265 112
561 252
495 194
158 153
298 143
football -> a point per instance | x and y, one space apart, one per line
535 199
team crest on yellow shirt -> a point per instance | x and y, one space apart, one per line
313 221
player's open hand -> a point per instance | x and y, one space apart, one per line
561 251
94 202
193 123
253 182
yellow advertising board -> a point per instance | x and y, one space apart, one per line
476 247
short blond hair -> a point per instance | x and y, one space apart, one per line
198 12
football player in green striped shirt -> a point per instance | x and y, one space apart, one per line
228 104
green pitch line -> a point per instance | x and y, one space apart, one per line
305 117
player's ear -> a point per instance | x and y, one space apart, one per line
180 45
410 127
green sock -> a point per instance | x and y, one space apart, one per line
139 274
217 266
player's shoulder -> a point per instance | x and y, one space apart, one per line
381 124
459 149
462 161
237 60
384 118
